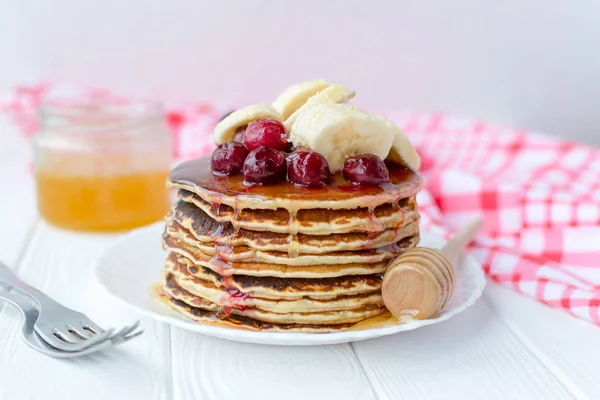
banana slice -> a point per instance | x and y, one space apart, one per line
402 151
340 130
334 93
225 130
295 96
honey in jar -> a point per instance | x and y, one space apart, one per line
102 168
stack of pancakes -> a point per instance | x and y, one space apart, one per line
282 258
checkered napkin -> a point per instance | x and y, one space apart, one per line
539 196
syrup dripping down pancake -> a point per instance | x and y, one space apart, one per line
318 221
262 269
184 245
196 176
240 322
207 232
283 257
284 288
339 300
172 288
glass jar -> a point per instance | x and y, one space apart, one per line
102 167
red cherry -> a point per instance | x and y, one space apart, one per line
366 169
265 132
290 148
308 168
239 134
264 166
228 158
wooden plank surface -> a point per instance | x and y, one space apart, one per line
60 264
219 369
17 196
569 347
471 356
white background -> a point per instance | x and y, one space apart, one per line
525 63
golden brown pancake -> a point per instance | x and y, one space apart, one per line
340 264
178 237
172 288
231 297
283 288
196 176
186 218
241 322
261 269
318 221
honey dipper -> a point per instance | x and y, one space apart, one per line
419 283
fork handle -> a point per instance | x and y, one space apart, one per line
22 305
8 278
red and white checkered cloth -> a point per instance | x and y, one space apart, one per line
539 196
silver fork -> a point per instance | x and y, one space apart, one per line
61 327
33 340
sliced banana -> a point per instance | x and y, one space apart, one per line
225 129
295 96
340 130
334 93
402 151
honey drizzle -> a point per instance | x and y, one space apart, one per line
373 223
292 239
385 319
196 175
235 295
388 319
216 205
232 296
235 221
373 228
219 263
224 312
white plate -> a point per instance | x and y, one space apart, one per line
129 268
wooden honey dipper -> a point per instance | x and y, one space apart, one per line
419 283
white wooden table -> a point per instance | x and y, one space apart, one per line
504 347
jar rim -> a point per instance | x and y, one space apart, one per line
98 116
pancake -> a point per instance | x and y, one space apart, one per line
246 261
196 176
180 235
282 257
172 289
240 322
283 288
207 232
317 221
262 269
234 298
